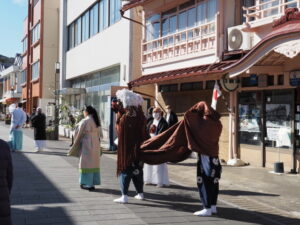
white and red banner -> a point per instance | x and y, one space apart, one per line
216 94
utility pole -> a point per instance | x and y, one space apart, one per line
56 93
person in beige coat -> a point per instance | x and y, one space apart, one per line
87 147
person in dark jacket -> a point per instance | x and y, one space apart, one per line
39 124
156 174
171 117
158 120
6 180
150 114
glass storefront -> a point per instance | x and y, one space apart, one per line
266 118
98 89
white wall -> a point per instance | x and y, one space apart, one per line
105 49
76 7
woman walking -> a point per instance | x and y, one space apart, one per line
39 124
87 145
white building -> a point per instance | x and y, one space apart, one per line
97 55
12 79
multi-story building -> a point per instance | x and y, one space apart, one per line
189 44
40 53
11 85
99 53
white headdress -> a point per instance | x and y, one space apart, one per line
129 98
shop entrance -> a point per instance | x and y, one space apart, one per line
266 127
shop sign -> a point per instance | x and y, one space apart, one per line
295 78
229 84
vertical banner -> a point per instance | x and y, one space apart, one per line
216 94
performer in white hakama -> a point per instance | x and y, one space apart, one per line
156 174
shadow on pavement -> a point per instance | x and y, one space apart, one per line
32 192
188 203
245 193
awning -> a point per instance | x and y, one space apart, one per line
214 68
71 91
132 4
284 39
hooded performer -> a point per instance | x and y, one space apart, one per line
131 130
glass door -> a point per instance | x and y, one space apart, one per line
279 110
250 114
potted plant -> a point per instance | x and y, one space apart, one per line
50 133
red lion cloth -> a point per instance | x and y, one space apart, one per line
199 131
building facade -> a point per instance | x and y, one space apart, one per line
266 101
98 55
11 89
251 48
40 53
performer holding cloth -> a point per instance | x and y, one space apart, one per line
156 174
199 131
131 130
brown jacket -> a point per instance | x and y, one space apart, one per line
132 132
199 131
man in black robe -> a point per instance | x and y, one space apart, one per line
39 124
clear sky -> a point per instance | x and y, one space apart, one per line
12 15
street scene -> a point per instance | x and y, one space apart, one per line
149 112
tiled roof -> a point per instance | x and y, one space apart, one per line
181 73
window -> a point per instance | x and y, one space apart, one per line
103 14
168 88
35 70
251 81
169 22
210 84
23 77
270 80
78 32
24 43
280 79
71 36
201 13
35 33
191 86
100 16
212 9
185 16
94 20
35 2
114 11
85 26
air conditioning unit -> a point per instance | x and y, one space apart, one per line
238 39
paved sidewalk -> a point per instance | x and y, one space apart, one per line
46 191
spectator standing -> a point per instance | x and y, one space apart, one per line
171 117
18 118
6 180
39 124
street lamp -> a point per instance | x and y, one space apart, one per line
56 122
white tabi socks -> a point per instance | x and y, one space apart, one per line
139 196
123 199
203 212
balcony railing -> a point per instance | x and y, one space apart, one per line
271 8
196 40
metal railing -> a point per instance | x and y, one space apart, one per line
198 39
268 9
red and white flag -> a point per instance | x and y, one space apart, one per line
216 94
